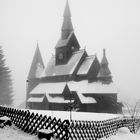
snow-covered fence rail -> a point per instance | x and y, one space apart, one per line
31 123
94 130
65 130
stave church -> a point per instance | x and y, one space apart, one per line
72 79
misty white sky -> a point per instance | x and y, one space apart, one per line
110 24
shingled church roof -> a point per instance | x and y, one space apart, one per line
67 69
86 65
64 42
85 87
36 99
43 88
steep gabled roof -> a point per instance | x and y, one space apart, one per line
84 87
67 69
43 88
37 66
85 66
65 42
36 99
86 100
57 99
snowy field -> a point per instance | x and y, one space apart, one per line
63 115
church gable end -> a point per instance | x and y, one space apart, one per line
93 71
88 69
65 48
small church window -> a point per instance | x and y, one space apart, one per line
60 56
72 47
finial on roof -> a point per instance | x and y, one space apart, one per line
104 52
104 59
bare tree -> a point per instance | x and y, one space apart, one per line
133 112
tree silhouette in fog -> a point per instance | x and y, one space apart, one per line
6 97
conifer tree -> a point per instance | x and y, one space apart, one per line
6 97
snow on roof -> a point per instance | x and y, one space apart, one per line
57 99
84 68
86 100
94 87
66 69
49 88
57 88
36 99
63 42
37 66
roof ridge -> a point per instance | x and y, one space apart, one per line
82 50
90 56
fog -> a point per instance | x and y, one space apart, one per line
110 24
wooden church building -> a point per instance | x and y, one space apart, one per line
72 79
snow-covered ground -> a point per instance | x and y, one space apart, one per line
124 134
77 115
13 133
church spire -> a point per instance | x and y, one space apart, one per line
104 60
104 72
67 12
37 66
67 26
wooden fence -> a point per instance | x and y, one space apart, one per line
65 130
31 123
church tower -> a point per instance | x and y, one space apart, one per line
104 73
68 42
36 70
